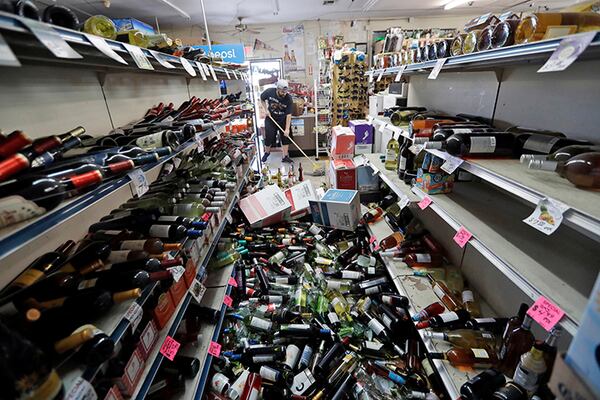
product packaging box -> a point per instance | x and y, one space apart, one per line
129 24
148 339
566 384
583 355
363 136
434 183
342 142
298 196
163 310
338 208
342 174
265 207
133 372
366 181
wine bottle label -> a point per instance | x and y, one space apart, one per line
314 229
333 284
423 258
15 209
292 355
132 245
528 379
480 353
427 367
287 241
269 373
275 299
115 168
467 296
391 155
376 326
333 318
387 300
461 130
540 143
28 278
449 317
263 358
297 327
225 161
387 321
261 324
483 144
307 353
160 231
402 163
219 383
371 345
118 256
373 290
110 233
149 142
487 335
335 302
438 291
351 275
168 218
371 270
183 208
485 320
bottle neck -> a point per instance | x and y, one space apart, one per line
526 323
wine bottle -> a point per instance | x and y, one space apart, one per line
446 320
391 155
562 154
498 144
465 337
516 343
581 170
481 386
468 357
15 141
530 370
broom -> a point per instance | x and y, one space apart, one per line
318 169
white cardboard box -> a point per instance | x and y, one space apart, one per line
298 196
338 208
265 207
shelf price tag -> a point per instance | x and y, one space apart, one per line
7 57
234 75
227 300
451 164
50 38
545 313
197 290
567 52
81 390
462 236
169 348
371 72
437 68
212 72
227 73
404 200
201 69
161 60
134 315
100 44
382 127
547 216
139 184
232 282
214 349
177 272
381 75
187 66
138 56
399 74
423 204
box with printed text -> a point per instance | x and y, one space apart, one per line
338 208
265 207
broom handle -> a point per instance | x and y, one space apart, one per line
291 140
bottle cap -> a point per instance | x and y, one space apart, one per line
74 340
525 158
435 335
544 165
33 314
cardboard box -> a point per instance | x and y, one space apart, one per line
265 207
298 196
363 131
584 352
148 339
342 174
342 142
366 181
177 291
133 372
163 310
338 208
566 384
434 183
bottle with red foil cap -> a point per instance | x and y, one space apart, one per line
446 320
428 312
252 387
29 198
12 143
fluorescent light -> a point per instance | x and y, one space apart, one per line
455 3
275 7
174 7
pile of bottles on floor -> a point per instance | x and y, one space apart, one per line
315 316
36 175
57 316
473 136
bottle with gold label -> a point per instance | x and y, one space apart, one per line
536 26
391 154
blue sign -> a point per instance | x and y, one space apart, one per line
233 53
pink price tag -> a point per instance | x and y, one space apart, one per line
169 348
376 248
423 204
228 300
214 349
232 282
462 236
372 240
545 313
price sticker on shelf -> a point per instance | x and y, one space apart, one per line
372 239
169 348
161 59
547 216
134 315
100 44
567 52
382 127
212 72
197 290
399 74
381 74
545 313
423 204
416 148
81 390
232 282
139 184
235 76
227 300
370 73
177 272
138 56
227 73
50 38
369 118
404 200
228 218
201 69
462 236
214 349
187 66
437 68
451 164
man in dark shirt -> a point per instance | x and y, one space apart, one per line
277 103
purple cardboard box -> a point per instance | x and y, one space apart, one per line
363 131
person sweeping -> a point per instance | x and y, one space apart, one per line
278 104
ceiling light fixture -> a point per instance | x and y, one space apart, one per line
174 7
455 3
275 7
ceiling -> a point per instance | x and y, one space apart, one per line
226 12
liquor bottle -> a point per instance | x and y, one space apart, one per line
405 159
468 357
469 303
394 300
516 343
497 144
300 173
428 312
580 170
302 331
391 241
423 260
391 154
481 386
465 338
530 370
561 154
504 33
371 215
100 25
445 294
549 350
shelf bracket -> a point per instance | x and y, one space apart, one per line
499 72
101 78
